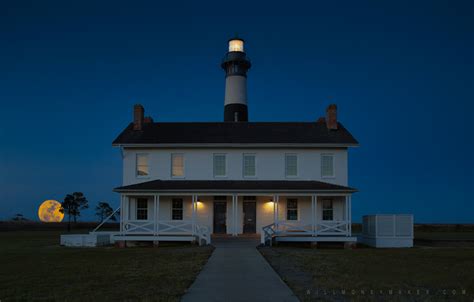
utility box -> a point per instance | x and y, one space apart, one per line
85 240
388 230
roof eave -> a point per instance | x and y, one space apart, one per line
240 145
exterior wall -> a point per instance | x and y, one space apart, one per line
270 164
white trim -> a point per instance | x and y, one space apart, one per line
238 192
231 145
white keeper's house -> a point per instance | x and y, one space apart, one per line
287 181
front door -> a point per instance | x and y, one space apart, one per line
220 210
250 217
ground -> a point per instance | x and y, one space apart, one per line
444 269
34 267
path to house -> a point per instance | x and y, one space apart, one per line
237 272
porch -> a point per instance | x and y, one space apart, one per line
196 216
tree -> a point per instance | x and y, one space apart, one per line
72 206
104 210
19 217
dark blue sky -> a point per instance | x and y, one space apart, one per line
400 72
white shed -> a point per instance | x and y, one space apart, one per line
388 230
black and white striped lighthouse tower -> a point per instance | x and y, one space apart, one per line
236 64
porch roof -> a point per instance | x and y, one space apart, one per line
271 186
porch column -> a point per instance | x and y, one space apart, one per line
315 215
193 216
350 215
274 209
312 215
234 214
157 213
277 204
346 208
122 197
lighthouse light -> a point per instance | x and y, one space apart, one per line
236 45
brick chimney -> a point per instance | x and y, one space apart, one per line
138 117
331 117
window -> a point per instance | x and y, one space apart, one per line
142 165
219 165
327 165
249 165
291 165
328 211
292 209
177 165
142 209
177 209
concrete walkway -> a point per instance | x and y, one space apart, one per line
236 271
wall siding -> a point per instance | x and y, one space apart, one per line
270 164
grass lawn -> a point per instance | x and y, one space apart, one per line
322 274
34 267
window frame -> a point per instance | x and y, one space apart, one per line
177 209
172 165
138 209
147 155
292 209
331 209
254 165
333 175
286 165
214 165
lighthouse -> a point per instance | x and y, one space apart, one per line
235 64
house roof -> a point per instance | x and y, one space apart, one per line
235 186
222 133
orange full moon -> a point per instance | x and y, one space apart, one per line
49 211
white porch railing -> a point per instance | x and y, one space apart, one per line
290 228
167 228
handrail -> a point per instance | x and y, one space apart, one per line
106 219
267 234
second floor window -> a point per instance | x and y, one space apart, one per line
328 210
142 209
292 209
249 165
177 209
219 165
327 165
291 165
177 165
142 168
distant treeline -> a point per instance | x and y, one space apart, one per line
52 226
